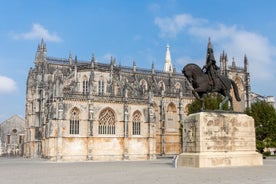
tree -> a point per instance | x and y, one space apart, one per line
211 103
264 115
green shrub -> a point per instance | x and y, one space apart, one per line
266 154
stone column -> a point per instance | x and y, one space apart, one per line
181 118
90 131
163 126
60 131
126 120
91 114
151 121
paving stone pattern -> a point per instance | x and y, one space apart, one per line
26 171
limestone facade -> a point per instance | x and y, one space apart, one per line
219 139
12 136
86 110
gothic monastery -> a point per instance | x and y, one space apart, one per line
78 111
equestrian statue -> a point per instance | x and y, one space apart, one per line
208 80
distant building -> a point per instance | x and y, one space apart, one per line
85 110
257 97
12 136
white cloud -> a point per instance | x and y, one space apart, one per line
172 26
7 85
234 41
37 32
154 7
237 43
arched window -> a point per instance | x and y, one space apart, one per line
74 121
171 116
85 85
107 122
136 123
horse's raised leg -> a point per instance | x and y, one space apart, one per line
200 99
202 104
196 94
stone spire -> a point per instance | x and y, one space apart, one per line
42 46
41 52
168 60
223 63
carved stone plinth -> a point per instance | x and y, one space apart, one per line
219 139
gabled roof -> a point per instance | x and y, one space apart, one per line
13 117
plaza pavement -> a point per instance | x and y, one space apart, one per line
160 171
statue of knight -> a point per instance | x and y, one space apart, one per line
210 67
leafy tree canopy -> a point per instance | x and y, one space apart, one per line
211 103
264 115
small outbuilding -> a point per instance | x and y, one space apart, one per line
12 136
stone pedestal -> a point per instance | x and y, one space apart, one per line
219 139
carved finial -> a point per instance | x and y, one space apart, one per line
233 63
76 59
245 63
245 59
134 66
92 61
111 60
152 67
93 58
70 58
114 61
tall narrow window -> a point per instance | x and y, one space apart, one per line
8 139
20 141
101 87
107 122
136 123
74 121
85 86
37 133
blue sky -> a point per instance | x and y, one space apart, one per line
134 30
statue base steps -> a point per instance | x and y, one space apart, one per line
202 160
219 139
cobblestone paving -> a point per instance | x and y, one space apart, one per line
26 171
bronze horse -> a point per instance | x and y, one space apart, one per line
202 85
